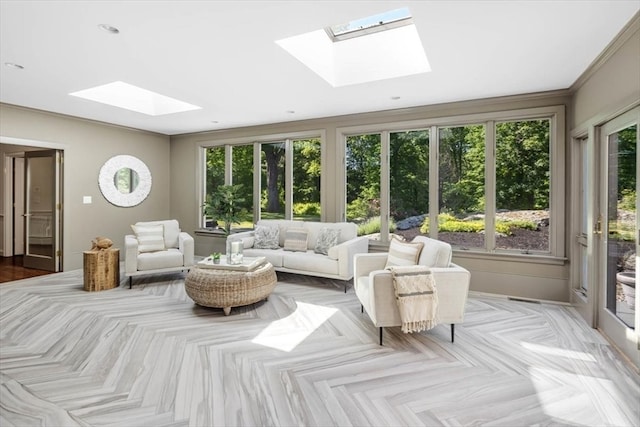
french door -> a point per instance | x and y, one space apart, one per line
616 229
42 212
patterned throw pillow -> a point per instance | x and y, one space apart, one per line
327 238
296 240
150 237
266 237
403 253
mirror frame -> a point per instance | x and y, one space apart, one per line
109 190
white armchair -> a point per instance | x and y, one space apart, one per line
157 247
374 288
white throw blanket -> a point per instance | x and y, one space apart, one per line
416 296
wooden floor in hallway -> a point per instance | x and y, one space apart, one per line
305 357
12 268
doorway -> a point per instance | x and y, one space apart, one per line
32 208
617 227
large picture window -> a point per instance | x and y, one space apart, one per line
283 183
484 185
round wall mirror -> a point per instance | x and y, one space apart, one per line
125 180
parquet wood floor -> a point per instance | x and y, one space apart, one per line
11 268
306 357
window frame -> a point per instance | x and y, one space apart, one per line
557 136
257 142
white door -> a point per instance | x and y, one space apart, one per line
617 232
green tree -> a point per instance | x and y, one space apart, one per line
522 165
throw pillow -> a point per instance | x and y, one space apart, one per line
150 237
327 238
266 237
296 240
403 253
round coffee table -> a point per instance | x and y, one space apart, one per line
211 287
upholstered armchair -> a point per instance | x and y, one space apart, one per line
374 288
157 247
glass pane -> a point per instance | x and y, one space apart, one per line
522 185
462 203
242 174
272 189
363 182
409 182
621 224
40 225
214 177
306 179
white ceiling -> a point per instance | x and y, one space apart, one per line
222 55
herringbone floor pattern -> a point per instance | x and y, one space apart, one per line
307 356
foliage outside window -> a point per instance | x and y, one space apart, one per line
306 170
306 179
272 203
522 185
363 182
499 181
461 221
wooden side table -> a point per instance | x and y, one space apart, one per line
101 269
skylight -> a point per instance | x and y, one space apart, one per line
389 47
370 24
130 97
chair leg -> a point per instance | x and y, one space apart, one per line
130 281
380 336
361 308
452 331
345 287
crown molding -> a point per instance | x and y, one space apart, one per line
632 27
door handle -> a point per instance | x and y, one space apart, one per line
598 227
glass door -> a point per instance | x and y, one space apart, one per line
583 297
617 225
42 213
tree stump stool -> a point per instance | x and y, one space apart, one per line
101 269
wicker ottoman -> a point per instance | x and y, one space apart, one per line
225 289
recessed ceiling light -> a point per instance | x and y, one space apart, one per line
109 28
215 122
14 65
130 97
395 98
290 112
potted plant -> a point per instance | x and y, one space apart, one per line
215 257
225 205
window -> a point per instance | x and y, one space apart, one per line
522 185
272 204
409 181
285 182
487 181
306 179
363 181
461 189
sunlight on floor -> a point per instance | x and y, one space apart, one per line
553 387
285 334
560 352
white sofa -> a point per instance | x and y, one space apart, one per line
175 251
374 288
337 264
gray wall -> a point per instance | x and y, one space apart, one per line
87 145
548 280
612 84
